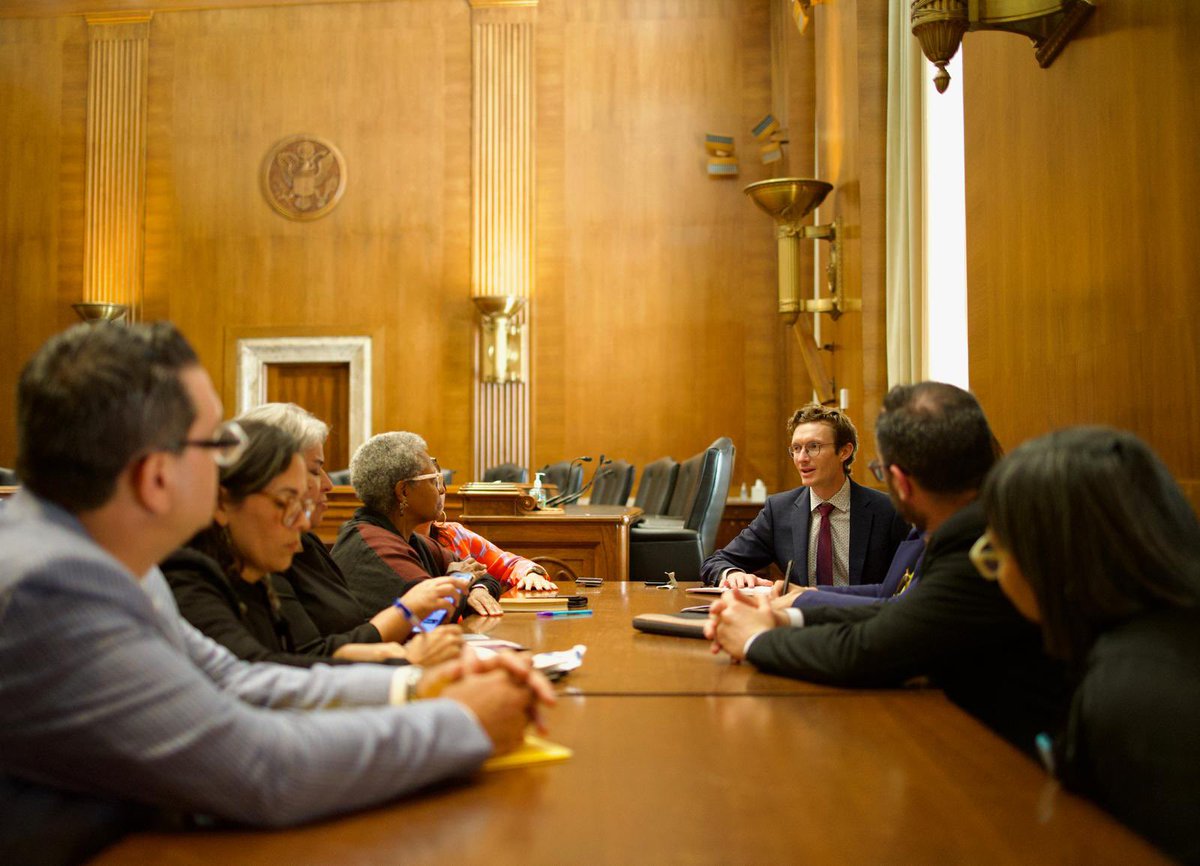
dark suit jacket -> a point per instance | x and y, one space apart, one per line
780 533
908 558
954 626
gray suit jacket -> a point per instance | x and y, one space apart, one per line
780 533
105 689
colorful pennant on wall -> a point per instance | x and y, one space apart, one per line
770 139
721 159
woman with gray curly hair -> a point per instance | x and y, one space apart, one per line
316 583
380 549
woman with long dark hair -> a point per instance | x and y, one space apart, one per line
1090 536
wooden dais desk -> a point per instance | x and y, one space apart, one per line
592 539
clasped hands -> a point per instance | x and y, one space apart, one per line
503 692
736 617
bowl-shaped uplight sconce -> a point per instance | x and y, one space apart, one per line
97 312
788 201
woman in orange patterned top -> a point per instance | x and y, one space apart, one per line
479 555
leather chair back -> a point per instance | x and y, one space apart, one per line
568 478
510 472
712 489
686 484
612 484
657 485
8 478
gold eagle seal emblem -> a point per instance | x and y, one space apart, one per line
304 177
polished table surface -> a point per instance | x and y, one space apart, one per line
681 757
874 778
621 660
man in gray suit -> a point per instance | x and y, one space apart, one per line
106 690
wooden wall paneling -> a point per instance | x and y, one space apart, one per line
549 341
870 386
373 79
324 390
762 435
1081 232
658 301
43 74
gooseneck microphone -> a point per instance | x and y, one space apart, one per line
555 500
574 497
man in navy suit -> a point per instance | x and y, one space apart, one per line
833 531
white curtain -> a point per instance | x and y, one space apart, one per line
905 273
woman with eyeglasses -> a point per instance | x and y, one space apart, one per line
380 549
314 579
224 580
1090 536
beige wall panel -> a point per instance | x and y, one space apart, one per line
656 327
41 107
388 84
1082 185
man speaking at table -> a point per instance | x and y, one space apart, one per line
832 530
107 691
935 448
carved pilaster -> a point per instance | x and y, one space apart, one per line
114 208
502 206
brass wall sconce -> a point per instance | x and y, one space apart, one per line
98 312
939 26
501 338
788 200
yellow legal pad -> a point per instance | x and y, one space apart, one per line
534 750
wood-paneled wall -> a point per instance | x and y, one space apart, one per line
1082 188
656 330
654 300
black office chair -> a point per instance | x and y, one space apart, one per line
8 478
612 484
565 475
340 477
657 485
509 472
658 546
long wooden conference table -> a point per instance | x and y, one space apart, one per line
681 757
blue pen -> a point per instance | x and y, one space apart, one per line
556 613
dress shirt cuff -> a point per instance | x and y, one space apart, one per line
750 640
404 680
795 617
724 574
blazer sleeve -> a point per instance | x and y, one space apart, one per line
752 549
132 714
887 643
839 596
